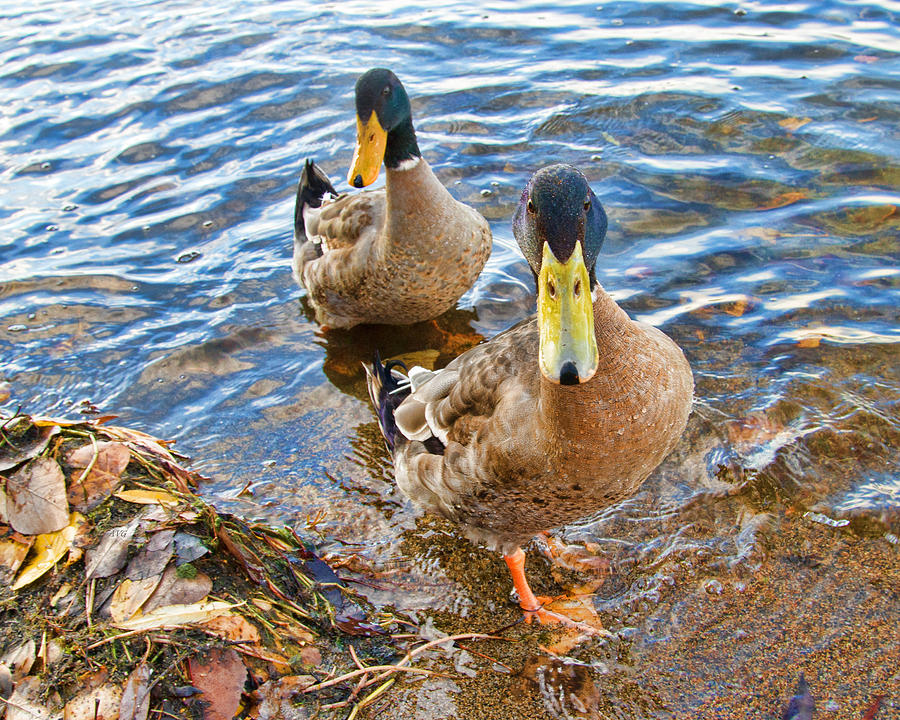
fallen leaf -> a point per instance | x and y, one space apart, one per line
189 547
802 704
311 655
791 124
110 554
130 596
4 518
737 308
148 497
784 199
281 664
64 590
809 342
24 704
176 615
273 698
27 447
234 628
153 557
221 678
12 553
101 703
36 498
6 684
135 703
20 659
49 549
92 486
567 689
174 590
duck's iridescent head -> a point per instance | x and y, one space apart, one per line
384 131
560 227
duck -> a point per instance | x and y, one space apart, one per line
398 255
560 416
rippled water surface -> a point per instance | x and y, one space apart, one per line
748 155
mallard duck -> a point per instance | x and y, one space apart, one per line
560 416
399 255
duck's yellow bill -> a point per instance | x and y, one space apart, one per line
371 140
568 349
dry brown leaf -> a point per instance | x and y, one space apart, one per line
788 198
12 554
135 703
148 497
234 628
221 677
809 342
737 308
36 498
281 664
88 488
791 124
176 615
153 557
26 449
174 590
110 554
101 703
25 702
274 697
20 659
49 549
130 596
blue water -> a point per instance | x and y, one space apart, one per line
748 155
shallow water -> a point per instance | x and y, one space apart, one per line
748 156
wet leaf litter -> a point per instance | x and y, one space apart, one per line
146 602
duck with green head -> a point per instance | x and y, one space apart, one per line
398 255
560 416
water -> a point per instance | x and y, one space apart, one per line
747 155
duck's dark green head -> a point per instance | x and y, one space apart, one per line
560 227
384 130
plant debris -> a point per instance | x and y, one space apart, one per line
144 601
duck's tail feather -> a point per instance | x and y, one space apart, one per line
387 389
313 185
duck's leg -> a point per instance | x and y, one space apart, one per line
533 605
528 601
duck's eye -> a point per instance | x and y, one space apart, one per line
551 288
587 204
386 91
530 206
577 288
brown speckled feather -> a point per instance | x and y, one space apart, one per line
524 454
395 256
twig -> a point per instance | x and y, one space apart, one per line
20 707
373 668
132 633
87 470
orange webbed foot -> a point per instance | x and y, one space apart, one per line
544 608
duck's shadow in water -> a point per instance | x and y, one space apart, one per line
431 344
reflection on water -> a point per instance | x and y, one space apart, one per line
748 159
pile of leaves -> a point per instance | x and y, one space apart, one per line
124 595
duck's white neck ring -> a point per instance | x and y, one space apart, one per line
407 164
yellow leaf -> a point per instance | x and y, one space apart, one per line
49 549
177 615
130 596
809 342
148 497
